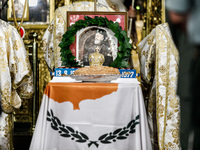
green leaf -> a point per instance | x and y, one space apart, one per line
121 43
124 33
72 38
137 117
117 35
126 54
96 18
120 48
68 52
119 55
127 39
106 19
69 28
128 45
61 44
63 62
124 64
116 25
87 17
72 58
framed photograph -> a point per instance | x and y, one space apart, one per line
37 12
93 38
19 9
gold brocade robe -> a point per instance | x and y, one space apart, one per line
58 26
159 69
15 79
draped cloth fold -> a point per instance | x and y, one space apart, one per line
110 117
16 80
159 70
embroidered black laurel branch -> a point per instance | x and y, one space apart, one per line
108 138
65 131
120 134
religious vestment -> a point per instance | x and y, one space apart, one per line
16 80
159 59
189 69
58 26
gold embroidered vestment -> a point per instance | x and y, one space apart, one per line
15 79
159 70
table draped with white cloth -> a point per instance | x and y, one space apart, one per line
92 116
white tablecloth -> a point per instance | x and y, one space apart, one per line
114 121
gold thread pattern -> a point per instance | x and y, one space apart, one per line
15 79
159 75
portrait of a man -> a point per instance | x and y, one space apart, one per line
90 40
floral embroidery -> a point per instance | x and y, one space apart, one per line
14 70
157 59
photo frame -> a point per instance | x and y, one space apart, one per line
19 8
38 12
89 38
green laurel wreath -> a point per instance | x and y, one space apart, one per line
124 49
108 138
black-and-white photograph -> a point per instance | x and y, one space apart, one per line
92 38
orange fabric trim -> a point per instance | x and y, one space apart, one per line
77 92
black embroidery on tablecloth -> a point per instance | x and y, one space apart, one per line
107 138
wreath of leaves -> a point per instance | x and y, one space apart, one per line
124 49
108 138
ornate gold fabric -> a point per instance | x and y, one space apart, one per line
5 131
159 69
15 78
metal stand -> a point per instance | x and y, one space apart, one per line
35 75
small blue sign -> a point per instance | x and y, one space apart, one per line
59 72
127 73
